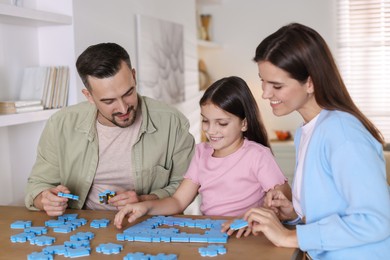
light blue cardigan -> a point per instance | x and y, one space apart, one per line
345 196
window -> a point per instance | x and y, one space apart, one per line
364 57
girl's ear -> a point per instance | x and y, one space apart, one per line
244 126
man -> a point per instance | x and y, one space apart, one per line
136 146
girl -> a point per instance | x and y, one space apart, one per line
340 194
234 170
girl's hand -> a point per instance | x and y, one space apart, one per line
133 210
242 231
265 220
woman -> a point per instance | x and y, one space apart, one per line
340 195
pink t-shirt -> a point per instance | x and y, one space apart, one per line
231 185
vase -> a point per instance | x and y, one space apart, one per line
205 20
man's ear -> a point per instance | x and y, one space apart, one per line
134 75
88 95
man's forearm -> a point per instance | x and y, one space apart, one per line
147 197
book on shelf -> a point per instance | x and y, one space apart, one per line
48 84
20 106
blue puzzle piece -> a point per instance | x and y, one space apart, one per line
238 224
78 222
82 236
39 256
77 252
56 249
105 196
36 230
212 250
42 241
109 248
142 256
65 228
54 223
21 224
77 244
99 223
67 195
22 237
68 217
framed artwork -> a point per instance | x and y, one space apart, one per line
160 58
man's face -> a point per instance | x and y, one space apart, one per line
115 97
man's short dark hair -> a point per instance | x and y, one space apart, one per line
102 60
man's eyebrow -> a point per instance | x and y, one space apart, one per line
127 92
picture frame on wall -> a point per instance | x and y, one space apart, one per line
160 56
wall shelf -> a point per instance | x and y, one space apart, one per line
16 15
28 117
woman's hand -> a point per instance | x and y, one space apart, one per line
280 205
265 220
240 232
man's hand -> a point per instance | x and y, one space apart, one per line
124 198
48 201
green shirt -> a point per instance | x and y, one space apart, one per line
68 152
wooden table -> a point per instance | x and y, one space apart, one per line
252 247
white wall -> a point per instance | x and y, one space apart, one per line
240 26
98 21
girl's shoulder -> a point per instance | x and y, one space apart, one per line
255 149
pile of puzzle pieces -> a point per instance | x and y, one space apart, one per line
149 231
79 244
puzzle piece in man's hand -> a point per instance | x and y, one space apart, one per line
67 195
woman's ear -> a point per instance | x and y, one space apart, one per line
244 126
309 86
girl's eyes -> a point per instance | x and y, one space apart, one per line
221 124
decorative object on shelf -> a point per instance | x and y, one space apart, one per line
283 135
49 84
20 106
160 47
205 20
204 77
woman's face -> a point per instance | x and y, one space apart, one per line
285 93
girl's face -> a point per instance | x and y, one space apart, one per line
285 93
223 129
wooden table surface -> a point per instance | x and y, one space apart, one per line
252 247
